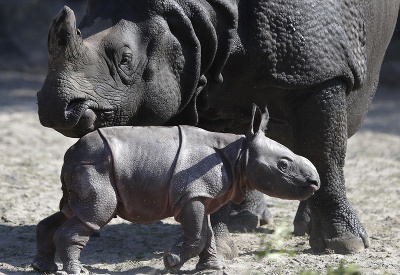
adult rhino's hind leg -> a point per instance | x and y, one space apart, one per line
44 259
320 134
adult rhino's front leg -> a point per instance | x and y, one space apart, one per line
320 134
252 212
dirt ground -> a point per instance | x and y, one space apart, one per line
31 159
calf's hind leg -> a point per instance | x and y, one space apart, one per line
69 240
196 238
44 259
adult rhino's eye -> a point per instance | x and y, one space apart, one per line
283 165
126 59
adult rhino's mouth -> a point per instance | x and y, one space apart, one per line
83 116
76 109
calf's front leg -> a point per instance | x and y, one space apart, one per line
208 257
197 238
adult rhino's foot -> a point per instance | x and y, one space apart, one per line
338 231
44 264
251 213
302 220
346 243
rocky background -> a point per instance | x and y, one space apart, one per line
31 159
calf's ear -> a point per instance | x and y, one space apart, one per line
259 121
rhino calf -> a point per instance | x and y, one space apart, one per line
145 174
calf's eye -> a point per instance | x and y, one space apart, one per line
283 164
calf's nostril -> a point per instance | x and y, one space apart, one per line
314 184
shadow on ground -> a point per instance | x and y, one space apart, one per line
130 246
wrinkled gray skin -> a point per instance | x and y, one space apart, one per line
315 63
120 171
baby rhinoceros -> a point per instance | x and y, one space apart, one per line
145 174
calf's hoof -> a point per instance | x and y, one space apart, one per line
44 265
346 243
266 217
226 247
210 264
74 268
172 261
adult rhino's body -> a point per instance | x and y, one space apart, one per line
315 63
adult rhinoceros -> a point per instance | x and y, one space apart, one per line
315 63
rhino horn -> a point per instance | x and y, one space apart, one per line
65 40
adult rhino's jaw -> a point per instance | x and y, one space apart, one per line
74 118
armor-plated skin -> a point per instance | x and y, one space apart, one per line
145 174
316 64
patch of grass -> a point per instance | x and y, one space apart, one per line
139 255
341 270
127 265
273 249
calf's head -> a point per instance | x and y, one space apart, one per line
127 65
274 169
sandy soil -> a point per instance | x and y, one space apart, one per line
30 162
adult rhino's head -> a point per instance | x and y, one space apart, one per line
131 63
273 168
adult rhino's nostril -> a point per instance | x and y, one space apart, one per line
75 109
73 104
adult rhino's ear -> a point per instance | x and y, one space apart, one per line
93 4
181 36
259 121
